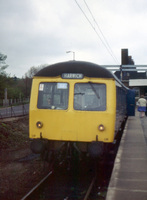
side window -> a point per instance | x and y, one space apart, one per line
53 96
90 96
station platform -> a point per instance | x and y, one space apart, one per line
129 176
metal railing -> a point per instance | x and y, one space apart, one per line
14 111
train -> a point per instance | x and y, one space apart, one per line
75 106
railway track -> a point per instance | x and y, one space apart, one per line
28 195
80 182
35 191
85 180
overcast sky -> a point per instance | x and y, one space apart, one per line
36 32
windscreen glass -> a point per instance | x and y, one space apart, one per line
53 96
90 96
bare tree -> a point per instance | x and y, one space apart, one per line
33 70
27 79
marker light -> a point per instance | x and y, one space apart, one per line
39 124
101 127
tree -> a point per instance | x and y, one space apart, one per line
3 65
33 70
8 82
28 78
3 75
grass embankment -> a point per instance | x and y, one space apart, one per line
14 133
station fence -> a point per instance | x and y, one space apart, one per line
14 111
13 102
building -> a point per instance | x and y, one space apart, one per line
133 76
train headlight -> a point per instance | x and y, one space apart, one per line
39 124
101 127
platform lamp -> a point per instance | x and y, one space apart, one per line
71 52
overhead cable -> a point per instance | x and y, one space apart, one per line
105 43
100 30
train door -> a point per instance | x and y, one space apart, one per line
131 103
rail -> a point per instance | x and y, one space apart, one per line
32 192
14 111
37 186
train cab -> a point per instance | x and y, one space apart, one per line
75 102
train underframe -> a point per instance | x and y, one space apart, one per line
62 150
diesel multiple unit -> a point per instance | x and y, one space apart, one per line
78 104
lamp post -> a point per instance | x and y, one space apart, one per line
71 52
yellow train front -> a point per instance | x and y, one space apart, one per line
78 104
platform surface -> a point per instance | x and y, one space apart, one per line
129 177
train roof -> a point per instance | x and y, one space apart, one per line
86 68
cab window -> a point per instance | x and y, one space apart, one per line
53 96
90 96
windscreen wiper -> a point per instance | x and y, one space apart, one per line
91 84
